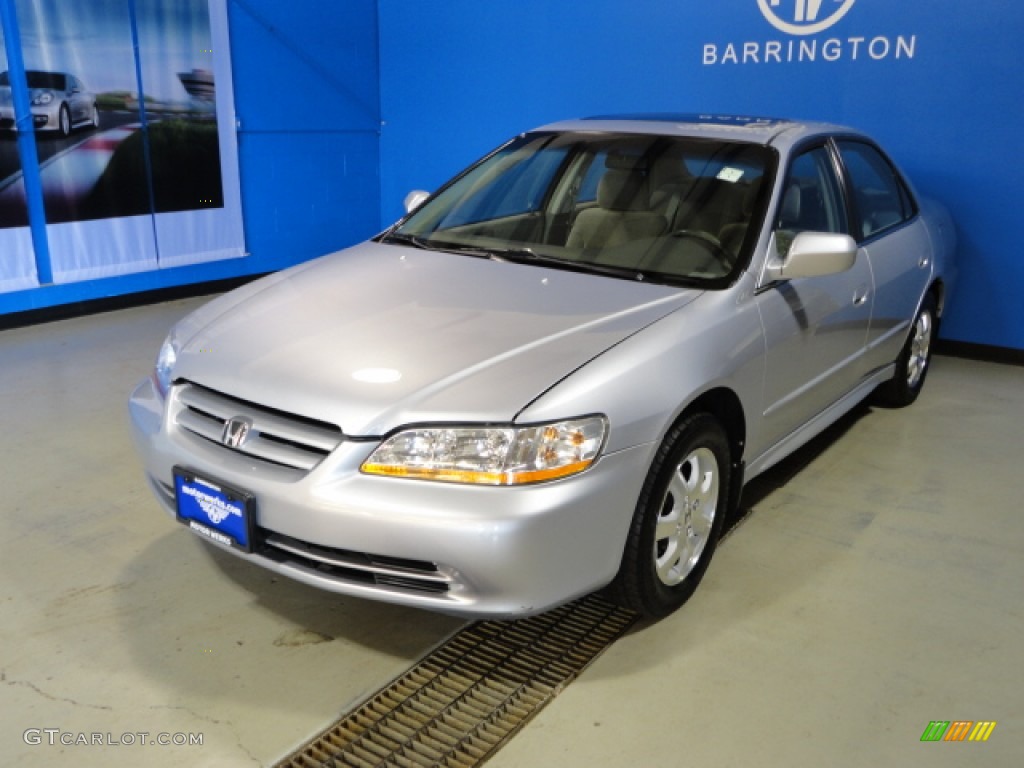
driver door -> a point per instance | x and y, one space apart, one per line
815 327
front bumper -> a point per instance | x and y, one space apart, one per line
468 550
42 118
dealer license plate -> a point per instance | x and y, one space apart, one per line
214 510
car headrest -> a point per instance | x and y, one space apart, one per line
789 214
621 190
622 161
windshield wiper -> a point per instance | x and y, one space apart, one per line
427 244
401 238
527 255
519 255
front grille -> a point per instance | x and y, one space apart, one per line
359 567
275 436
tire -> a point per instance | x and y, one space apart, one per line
95 120
64 121
677 520
914 360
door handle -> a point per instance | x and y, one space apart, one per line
923 262
860 295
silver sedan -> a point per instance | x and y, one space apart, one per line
555 374
59 102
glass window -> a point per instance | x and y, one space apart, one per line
520 189
54 81
811 199
595 170
635 206
880 196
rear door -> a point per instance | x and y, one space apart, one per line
888 229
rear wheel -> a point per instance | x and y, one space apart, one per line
914 360
677 519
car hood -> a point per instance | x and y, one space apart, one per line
378 336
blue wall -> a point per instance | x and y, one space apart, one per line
459 77
306 95
344 108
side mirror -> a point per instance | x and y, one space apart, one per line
814 254
415 199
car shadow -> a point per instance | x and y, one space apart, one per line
358 620
306 615
394 630
200 621
698 625
780 475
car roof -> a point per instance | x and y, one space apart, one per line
757 130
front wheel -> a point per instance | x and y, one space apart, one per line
677 520
912 364
64 120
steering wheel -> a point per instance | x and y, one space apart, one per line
710 243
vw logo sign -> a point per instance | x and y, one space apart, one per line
804 17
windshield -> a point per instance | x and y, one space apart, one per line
51 80
667 209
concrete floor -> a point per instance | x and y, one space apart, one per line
876 585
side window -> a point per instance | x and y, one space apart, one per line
811 200
880 196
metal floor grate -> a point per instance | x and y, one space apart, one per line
457 706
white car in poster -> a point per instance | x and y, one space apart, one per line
59 101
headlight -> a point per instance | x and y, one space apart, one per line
491 455
43 98
163 371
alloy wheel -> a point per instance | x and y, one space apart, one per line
686 516
920 346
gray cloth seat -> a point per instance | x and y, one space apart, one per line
732 234
672 187
803 209
621 214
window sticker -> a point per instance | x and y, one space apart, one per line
732 175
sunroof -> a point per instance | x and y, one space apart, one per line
693 117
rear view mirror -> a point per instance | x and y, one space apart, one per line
814 254
415 199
